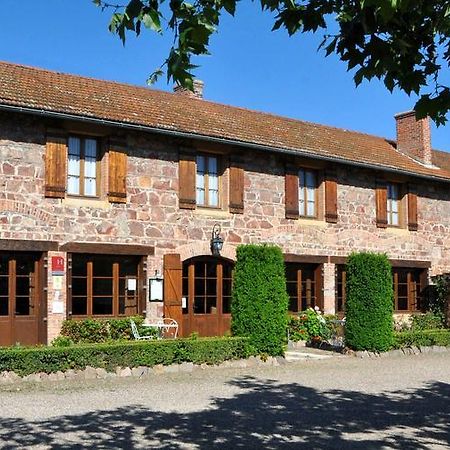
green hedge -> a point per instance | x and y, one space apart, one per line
25 361
369 303
260 302
423 338
86 331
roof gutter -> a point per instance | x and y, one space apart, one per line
182 134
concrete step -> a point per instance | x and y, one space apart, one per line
295 355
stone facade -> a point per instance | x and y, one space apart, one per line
151 215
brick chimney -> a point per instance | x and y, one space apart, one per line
197 93
414 137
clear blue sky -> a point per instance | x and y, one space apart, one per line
250 66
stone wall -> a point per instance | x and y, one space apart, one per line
152 217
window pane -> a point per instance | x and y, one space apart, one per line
200 164
226 305
213 198
394 205
90 186
79 306
213 182
79 286
311 211
301 178
73 167
211 305
402 304
73 185
74 146
4 306
200 198
90 167
310 180
4 285
23 306
394 219
199 286
212 165
102 305
102 286
90 148
199 305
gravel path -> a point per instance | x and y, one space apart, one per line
339 403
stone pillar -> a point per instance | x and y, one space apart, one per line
329 288
56 293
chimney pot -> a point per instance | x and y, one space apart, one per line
414 136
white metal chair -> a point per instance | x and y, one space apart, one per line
135 331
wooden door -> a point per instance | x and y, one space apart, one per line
21 294
207 283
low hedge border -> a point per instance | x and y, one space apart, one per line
25 361
422 338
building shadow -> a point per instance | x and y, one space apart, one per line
264 414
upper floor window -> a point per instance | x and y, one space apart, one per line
307 193
82 177
207 181
393 204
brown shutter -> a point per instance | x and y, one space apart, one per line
412 207
187 173
173 270
291 193
55 166
331 196
381 199
117 175
236 187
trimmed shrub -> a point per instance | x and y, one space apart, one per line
25 361
369 304
423 338
260 302
101 330
427 321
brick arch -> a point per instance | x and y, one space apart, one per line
14 206
202 248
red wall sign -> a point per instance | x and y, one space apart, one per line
57 264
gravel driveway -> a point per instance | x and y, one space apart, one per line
339 403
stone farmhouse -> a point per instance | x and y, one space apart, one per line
105 186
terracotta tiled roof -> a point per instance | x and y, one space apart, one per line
62 93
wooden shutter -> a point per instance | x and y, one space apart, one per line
56 166
236 187
117 175
291 193
186 175
331 196
173 271
412 208
381 200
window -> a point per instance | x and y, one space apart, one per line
307 193
393 204
303 283
207 181
104 285
82 178
408 285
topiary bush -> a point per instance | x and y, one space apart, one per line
260 302
369 304
25 361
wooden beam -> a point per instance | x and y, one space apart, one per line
107 249
314 259
16 245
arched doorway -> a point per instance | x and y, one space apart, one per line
206 306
